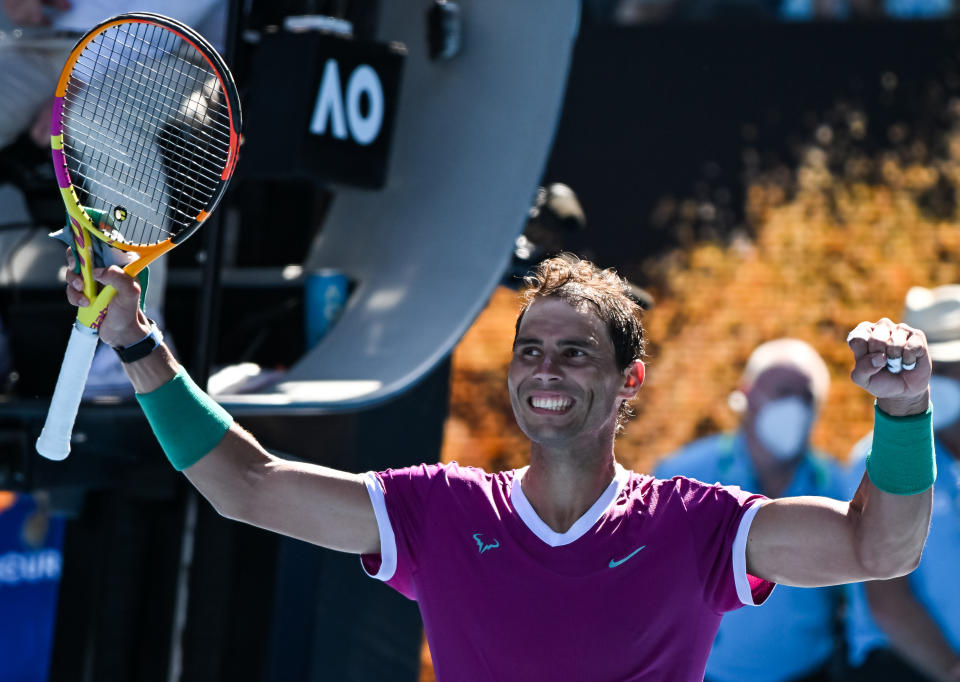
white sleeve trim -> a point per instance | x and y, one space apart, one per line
740 554
388 543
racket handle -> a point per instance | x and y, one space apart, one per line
54 440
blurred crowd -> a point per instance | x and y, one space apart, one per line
627 12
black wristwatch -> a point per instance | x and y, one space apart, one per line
143 347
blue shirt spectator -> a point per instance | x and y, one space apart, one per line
806 10
31 560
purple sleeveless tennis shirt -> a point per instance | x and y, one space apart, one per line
633 591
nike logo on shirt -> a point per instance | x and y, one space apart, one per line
614 563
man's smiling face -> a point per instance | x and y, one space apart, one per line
563 378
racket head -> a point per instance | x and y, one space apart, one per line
145 129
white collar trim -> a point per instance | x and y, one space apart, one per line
532 521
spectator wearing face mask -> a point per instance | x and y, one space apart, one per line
908 629
793 636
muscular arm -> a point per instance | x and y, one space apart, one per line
323 506
240 479
813 541
244 482
816 541
911 630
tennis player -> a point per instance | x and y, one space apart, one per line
572 568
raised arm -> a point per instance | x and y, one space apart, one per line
241 480
879 534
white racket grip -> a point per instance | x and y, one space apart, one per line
54 440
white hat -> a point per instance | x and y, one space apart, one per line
783 352
936 312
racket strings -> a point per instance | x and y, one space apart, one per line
178 53
196 74
179 142
183 80
82 133
154 187
146 127
146 115
217 128
140 230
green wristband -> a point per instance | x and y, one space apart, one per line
901 461
187 422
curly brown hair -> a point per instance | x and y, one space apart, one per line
576 281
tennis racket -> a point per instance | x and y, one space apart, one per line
144 133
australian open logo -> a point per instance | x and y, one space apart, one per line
342 112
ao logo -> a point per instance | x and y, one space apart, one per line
330 104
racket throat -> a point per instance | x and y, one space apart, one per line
109 221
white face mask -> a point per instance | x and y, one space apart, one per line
945 396
783 426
